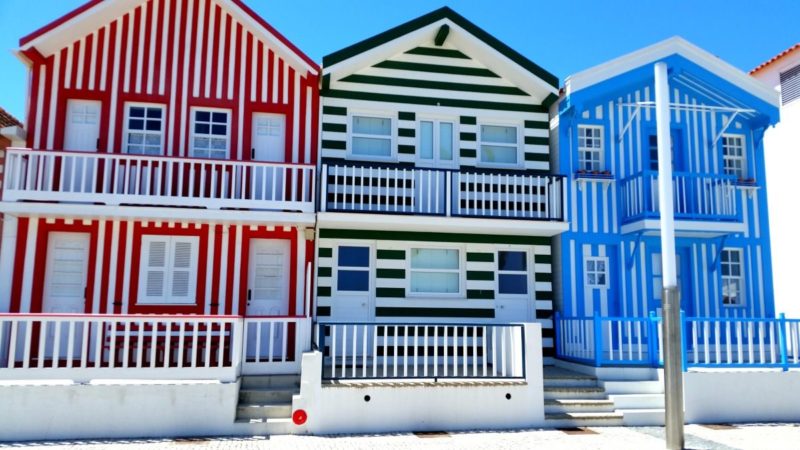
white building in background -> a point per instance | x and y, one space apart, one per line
782 159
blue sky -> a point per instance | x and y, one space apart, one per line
562 36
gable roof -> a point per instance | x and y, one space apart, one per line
443 15
82 20
7 120
664 49
775 59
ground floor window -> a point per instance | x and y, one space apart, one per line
596 272
168 270
731 262
353 272
512 272
435 271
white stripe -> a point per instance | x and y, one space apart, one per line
717 298
634 288
81 61
151 61
750 280
198 43
173 85
756 218
307 128
112 114
162 75
93 61
760 271
112 267
253 64
237 268
605 210
643 271
704 140
745 214
39 104
68 69
696 274
584 206
704 272
126 278
210 50
99 267
28 267
223 269
300 271
296 120
265 82
106 46
623 268
232 62
595 191
601 251
696 132
128 54
185 87
222 51
639 138
140 55
285 94
51 120
716 146
275 78
240 138
572 275
588 293
210 269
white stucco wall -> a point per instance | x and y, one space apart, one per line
422 406
742 396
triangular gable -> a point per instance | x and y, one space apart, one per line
447 34
96 13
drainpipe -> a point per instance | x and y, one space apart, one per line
673 373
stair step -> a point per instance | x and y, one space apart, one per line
643 416
267 395
262 411
270 381
637 401
632 387
260 427
571 392
583 419
577 381
577 405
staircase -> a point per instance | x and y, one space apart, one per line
267 400
583 396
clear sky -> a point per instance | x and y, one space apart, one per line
561 36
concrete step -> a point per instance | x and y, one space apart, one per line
262 411
632 387
264 427
270 381
570 392
613 372
577 405
267 395
554 376
585 419
643 417
637 401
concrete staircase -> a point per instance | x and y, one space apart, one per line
266 402
583 396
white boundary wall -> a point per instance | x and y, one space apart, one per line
423 405
742 396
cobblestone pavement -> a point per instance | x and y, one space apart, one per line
723 437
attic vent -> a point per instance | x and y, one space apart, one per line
441 35
790 85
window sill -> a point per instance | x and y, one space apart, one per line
603 176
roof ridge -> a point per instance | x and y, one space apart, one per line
774 58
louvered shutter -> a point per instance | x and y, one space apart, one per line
168 270
790 85
182 280
154 259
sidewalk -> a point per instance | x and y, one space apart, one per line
724 437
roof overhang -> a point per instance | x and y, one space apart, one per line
15 134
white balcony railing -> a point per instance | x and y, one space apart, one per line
115 179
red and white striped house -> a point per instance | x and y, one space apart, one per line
169 170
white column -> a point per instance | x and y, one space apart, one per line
665 200
8 246
300 297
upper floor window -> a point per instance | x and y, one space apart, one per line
144 129
596 272
371 137
590 148
512 272
733 155
731 265
436 143
435 271
168 270
210 133
499 145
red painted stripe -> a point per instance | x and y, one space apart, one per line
117 300
215 51
204 43
136 29
247 66
123 51
106 277
172 132
290 120
19 264
229 278
301 134
52 25
226 74
49 71
75 63
236 153
271 80
33 96
109 67
260 72
179 80
217 303
160 38
279 77
195 41
87 60
147 23
314 82
61 104
101 62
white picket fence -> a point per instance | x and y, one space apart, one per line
115 179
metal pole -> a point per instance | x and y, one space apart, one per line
673 372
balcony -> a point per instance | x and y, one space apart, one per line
697 197
437 192
122 179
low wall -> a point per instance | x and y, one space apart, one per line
423 406
47 410
742 396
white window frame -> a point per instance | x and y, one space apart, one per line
192 133
583 149
437 162
392 135
529 272
742 299
169 269
126 131
587 272
461 271
520 144
726 157
369 269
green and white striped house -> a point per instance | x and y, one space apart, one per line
437 201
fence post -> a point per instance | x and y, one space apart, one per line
556 337
683 340
652 338
237 358
598 340
448 193
323 188
782 341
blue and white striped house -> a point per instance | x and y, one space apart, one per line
605 132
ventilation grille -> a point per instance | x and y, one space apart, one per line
790 85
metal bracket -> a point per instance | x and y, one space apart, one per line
629 262
713 144
629 123
715 262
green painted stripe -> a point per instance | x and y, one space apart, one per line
334 110
428 84
436 68
391 273
406 132
549 100
544 277
468 153
480 294
325 271
391 254
467 120
470 137
325 252
432 237
433 312
441 52
450 102
480 275
334 145
548 352
532 140
480 257
536 125
336 127
390 292
543 259
544 295
323 311
406 149
407 115
544 313
541 157
323 291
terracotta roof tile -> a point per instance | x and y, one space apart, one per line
775 58
7 120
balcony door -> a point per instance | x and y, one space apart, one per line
684 275
81 134
268 295
676 142
268 145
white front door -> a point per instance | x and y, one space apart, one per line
514 302
269 145
353 300
267 295
65 289
81 134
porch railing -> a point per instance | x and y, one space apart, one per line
696 196
706 342
115 179
275 345
410 190
432 350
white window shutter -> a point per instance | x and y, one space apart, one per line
168 270
182 270
155 259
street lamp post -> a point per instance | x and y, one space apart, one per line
673 372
